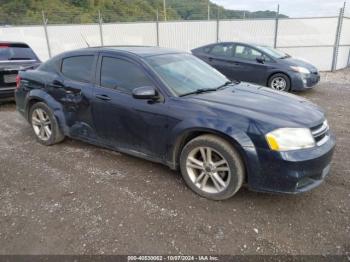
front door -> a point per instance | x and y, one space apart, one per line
247 66
121 120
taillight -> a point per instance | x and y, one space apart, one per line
18 81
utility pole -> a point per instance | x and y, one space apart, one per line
157 27
337 38
46 33
218 25
208 10
164 9
276 26
100 21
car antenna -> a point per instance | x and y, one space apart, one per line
86 42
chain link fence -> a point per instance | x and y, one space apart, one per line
323 41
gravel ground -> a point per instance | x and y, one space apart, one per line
74 198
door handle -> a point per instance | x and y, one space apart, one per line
57 84
103 97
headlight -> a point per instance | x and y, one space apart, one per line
285 139
300 69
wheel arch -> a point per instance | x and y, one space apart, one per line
36 96
32 101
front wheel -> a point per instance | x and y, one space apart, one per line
45 125
211 167
279 82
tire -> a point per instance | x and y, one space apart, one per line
42 119
279 82
200 178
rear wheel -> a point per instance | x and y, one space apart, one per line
279 82
211 167
45 125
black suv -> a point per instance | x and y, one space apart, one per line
13 58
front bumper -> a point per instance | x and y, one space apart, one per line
294 171
302 82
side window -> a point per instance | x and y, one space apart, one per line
52 65
78 68
248 53
222 50
207 49
122 75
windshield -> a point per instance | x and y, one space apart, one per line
184 73
16 53
273 52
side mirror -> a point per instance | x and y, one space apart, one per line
260 59
145 92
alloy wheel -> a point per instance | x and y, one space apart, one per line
208 170
279 83
41 124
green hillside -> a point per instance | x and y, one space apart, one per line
86 11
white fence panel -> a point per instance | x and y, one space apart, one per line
344 49
187 35
321 57
307 32
130 34
345 36
254 31
343 57
65 38
34 36
309 39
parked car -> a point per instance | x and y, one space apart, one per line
14 57
170 107
259 64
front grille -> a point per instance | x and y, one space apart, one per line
321 133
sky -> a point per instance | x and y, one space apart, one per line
293 8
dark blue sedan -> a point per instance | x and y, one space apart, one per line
170 107
259 64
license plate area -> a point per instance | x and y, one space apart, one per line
9 79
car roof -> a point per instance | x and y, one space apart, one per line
232 42
10 44
141 51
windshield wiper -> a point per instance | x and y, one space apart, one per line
227 84
199 91
284 57
205 90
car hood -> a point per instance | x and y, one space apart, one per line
298 62
262 104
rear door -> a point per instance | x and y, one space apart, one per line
220 56
72 87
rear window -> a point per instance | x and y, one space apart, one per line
16 52
222 50
78 68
